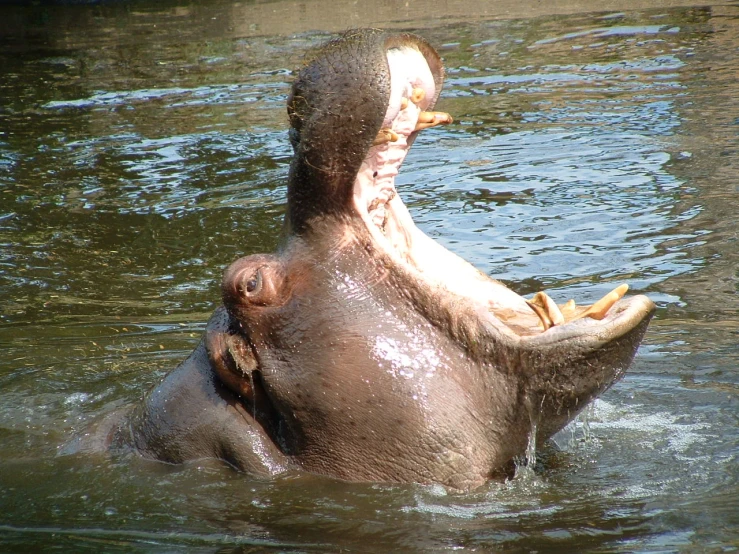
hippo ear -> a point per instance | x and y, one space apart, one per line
253 281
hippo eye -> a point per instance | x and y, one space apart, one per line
254 284
374 174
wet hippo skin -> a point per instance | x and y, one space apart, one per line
363 349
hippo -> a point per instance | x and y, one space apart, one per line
363 349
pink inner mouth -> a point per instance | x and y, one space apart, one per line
393 230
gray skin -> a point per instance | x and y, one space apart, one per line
333 357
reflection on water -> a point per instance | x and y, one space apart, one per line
143 148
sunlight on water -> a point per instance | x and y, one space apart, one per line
587 150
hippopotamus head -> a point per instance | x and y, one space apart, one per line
363 349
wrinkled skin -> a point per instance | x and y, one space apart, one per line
362 349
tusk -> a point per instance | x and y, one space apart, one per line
601 307
384 136
546 309
552 309
543 317
403 103
432 119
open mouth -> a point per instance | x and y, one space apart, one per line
413 92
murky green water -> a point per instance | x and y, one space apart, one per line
143 148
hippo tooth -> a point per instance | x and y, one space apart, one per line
384 136
417 95
546 309
601 307
432 119
550 314
544 320
568 309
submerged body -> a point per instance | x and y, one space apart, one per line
363 349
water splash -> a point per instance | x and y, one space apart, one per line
526 464
584 422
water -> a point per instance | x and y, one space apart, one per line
143 148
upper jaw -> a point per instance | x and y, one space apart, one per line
415 83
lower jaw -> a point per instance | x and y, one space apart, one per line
395 236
